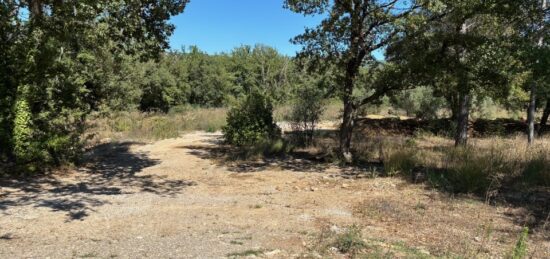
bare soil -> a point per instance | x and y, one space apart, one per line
180 198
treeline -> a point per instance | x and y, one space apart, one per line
193 77
62 60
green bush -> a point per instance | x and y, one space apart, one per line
350 241
251 122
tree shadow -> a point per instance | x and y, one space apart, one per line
229 157
535 205
107 170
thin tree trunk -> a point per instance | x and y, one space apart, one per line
531 115
532 102
461 137
544 118
463 116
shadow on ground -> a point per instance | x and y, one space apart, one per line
534 203
108 169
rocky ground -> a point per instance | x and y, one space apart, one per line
179 198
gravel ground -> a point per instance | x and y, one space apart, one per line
177 198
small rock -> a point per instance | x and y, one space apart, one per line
345 185
312 189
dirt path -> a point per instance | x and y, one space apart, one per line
177 199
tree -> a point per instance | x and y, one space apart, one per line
261 68
533 28
54 69
348 38
466 49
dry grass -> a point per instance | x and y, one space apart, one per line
485 165
138 126
332 111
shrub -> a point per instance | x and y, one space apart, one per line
401 161
475 171
350 241
251 122
305 114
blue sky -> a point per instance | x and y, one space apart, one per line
220 25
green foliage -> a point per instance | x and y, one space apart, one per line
419 102
520 250
61 61
25 148
350 241
251 122
305 114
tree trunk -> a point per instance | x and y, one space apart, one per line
35 8
461 137
532 102
544 118
454 106
346 129
531 115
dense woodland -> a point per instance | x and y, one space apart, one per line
61 61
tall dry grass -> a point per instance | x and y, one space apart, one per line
481 168
138 126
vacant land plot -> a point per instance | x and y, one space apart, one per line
176 198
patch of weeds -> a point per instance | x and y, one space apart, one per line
468 170
420 206
411 252
257 206
520 250
377 209
402 161
350 241
249 252
89 255
236 242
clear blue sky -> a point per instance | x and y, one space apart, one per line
220 25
